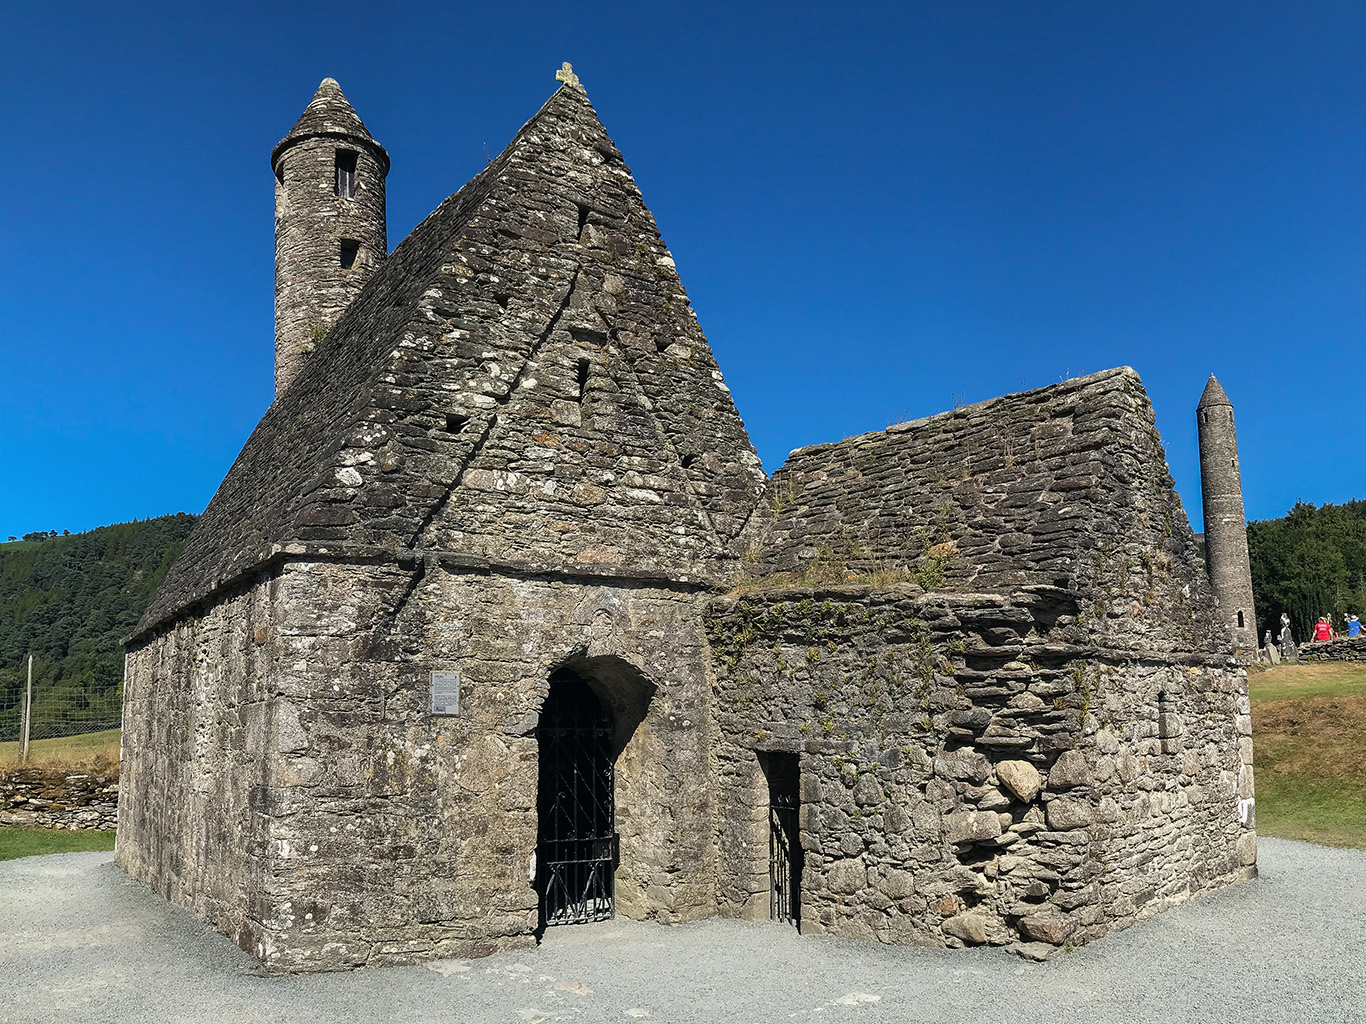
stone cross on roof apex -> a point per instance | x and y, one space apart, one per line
567 76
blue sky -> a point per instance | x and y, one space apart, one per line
879 212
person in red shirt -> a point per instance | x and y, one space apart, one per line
1322 630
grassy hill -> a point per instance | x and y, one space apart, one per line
1308 731
70 601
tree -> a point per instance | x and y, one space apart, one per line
1309 563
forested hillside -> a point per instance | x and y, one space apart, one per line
70 601
1310 562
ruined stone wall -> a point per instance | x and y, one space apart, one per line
192 822
60 798
970 771
1065 488
1333 650
396 835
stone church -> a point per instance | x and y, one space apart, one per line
497 624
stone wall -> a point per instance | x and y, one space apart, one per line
1062 489
46 797
380 833
1333 650
195 782
970 772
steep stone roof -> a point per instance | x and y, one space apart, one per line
329 113
522 381
1063 490
1214 395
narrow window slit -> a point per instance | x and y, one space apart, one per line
583 379
455 422
583 218
344 184
1240 620
347 255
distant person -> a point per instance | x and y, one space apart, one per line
1322 630
1353 627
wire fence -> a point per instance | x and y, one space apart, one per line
70 719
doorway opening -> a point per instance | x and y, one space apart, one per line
784 837
576 840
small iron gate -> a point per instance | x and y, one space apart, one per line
576 847
784 839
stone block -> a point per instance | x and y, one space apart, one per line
1050 928
846 877
1021 778
1065 815
1071 769
971 826
971 928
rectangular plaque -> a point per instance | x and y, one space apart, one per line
445 693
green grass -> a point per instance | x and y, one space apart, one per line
18 842
1309 732
1292 682
67 749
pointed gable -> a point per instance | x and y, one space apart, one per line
523 382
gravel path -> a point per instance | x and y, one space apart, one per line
79 941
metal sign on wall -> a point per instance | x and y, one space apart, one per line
445 693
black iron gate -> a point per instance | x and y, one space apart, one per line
576 843
784 838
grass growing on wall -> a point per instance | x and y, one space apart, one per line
18 842
1309 732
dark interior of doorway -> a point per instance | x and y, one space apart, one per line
576 841
784 837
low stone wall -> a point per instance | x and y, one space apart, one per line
47 798
1335 650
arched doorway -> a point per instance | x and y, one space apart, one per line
576 841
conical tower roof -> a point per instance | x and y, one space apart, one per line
1214 395
329 114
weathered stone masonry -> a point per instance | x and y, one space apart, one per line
48 797
983 636
1056 745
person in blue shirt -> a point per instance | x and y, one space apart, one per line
1353 627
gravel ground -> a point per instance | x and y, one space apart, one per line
79 941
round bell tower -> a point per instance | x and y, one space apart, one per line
330 231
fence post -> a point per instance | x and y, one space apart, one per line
28 714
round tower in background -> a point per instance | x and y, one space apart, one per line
330 233
1221 493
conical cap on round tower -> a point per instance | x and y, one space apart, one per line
1214 395
329 114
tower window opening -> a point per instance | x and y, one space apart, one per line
345 162
1240 620
583 379
348 253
